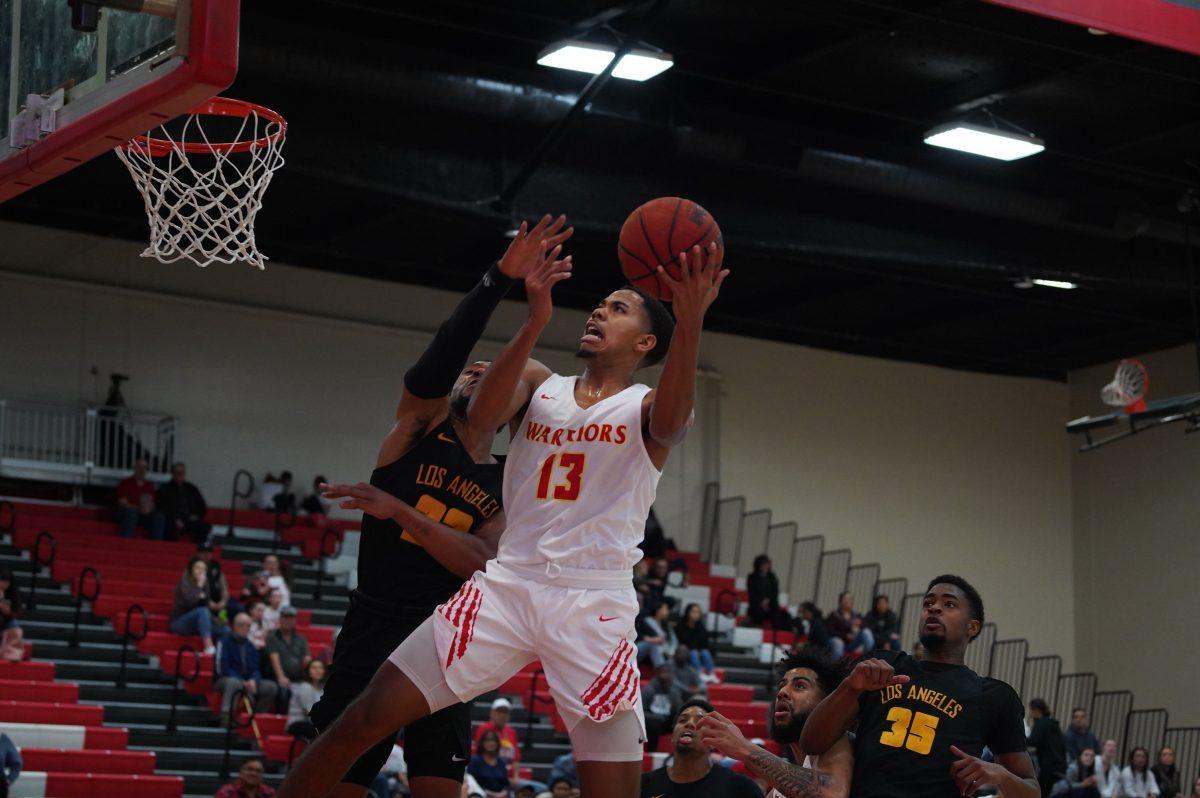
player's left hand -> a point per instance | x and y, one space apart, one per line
361 496
719 732
972 774
700 278
529 246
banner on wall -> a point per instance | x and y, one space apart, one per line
1168 23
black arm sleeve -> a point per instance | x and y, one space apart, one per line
434 373
1004 727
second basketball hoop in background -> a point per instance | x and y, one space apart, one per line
204 178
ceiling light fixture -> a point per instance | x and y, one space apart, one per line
638 64
1030 282
991 142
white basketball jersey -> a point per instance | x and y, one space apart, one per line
578 484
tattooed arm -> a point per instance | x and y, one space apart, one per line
830 780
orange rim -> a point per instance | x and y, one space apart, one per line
217 106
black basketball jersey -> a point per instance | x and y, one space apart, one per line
902 747
437 477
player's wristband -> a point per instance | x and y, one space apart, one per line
434 373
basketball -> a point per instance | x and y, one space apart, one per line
655 233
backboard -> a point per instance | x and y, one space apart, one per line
1164 411
135 71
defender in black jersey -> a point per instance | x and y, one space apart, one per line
440 489
922 725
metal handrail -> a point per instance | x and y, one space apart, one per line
330 532
39 561
80 596
533 699
188 679
237 494
127 635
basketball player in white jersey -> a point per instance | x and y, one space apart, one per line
805 678
578 484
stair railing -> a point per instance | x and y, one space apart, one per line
81 594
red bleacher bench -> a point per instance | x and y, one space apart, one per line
110 605
520 684
27 690
65 735
730 692
63 760
267 725
737 712
14 711
27 671
33 509
109 785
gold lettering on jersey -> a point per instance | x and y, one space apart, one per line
926 695
430 475
589 433
472 494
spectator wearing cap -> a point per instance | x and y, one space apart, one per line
183 507
498 722
249 782
136 504
287 651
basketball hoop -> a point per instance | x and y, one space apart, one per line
202 196
1128 388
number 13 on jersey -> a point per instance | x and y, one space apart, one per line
566 490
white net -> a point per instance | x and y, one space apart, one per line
201 196
1128 385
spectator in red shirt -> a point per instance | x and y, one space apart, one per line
249 783
510 751
135 504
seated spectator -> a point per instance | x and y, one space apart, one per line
258 633
279 576
655 544
487 766
136 504
272 611
811 625
276 493
12 639
656 638
763 587
314 503
219 601
498 722
393 776
249 782
306 691
1078 736
883 624
236 668
564 768
256 590
1081 780
690 631
287 653
183 507
10 764
691 772
656 580
661 700
687 675
1136 779
190 613
1108 771
1166 775
641 579
1046 738
846 632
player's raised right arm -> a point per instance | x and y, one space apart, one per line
513 376
837 711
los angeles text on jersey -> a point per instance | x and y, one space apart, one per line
557 436
434 476
939 701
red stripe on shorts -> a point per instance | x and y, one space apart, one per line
626 679
600 681
467 632
613 683
455 610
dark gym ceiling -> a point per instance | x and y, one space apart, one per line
798 123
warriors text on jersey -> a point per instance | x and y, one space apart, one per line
438 477
902 748
578 483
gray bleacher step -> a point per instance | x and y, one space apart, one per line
60 650
186 714
153 737
326 617
107 672
133 693
61 631
200 759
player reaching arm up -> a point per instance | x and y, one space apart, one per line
834 716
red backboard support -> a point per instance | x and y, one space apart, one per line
209 67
